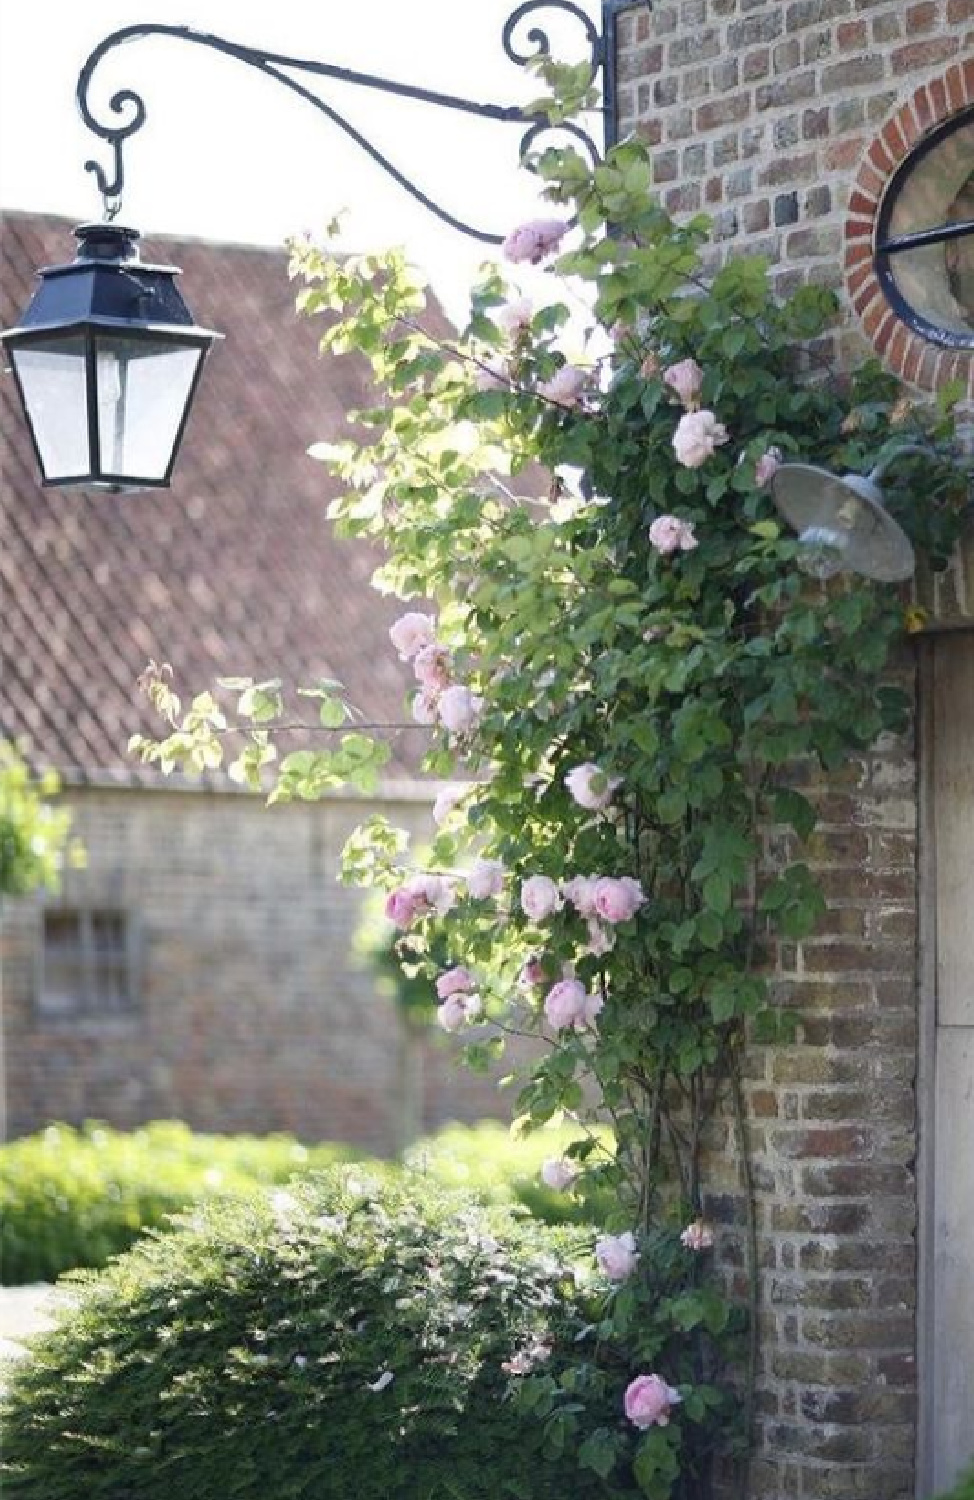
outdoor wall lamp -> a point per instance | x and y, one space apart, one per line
107 357
842 521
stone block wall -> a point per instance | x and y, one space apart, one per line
761 113
254 1013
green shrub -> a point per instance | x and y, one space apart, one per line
338 1339
74 1198
77 1197
486 1160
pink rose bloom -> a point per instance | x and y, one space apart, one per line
437 891
686 378
404 906
616 1255
459 709
411 633
669 534
618 900
424 707
514 317
697 1236
767 466
648 1401
600 939
580 891
452 1013
492 375
473 1007
533 973
457 1010
559 1172
594 1006
432 665
565 1003
540 898
455 981
698 436
590 787
534 240
445 802
566 386
486 879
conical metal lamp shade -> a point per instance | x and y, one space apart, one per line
843 522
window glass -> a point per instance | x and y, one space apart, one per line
87 967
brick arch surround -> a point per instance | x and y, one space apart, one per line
902 350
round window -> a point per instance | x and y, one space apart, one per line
925 236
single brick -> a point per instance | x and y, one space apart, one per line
726 149
793 88
728 111
921 18
756 217
916 56
740 184
852 36
816 47
786 132
694 49
695 83
757 64
790 169
786 208
853 73
818 202
786 56
751 30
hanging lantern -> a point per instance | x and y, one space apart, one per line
107 359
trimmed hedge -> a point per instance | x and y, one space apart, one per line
75 1198
343 1338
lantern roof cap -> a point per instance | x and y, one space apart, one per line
107 285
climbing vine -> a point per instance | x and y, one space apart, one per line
621 665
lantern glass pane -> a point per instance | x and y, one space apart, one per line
52 378
937 281
143 390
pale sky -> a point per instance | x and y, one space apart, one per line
229 154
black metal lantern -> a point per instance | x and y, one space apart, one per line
106 360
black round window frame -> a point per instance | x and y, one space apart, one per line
886 249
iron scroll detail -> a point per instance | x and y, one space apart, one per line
129 113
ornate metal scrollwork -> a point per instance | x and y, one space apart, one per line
131 106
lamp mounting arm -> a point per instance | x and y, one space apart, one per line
128 107
877 473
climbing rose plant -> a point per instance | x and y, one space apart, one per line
620 665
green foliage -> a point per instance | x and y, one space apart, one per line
78 1197
34 834
497 1167
963 1489
75 1198
340 1335
690 670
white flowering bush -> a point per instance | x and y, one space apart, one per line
620 664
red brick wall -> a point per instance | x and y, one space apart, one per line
760 113
256 1015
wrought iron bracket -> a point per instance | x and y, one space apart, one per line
129 110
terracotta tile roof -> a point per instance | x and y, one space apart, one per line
234 571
